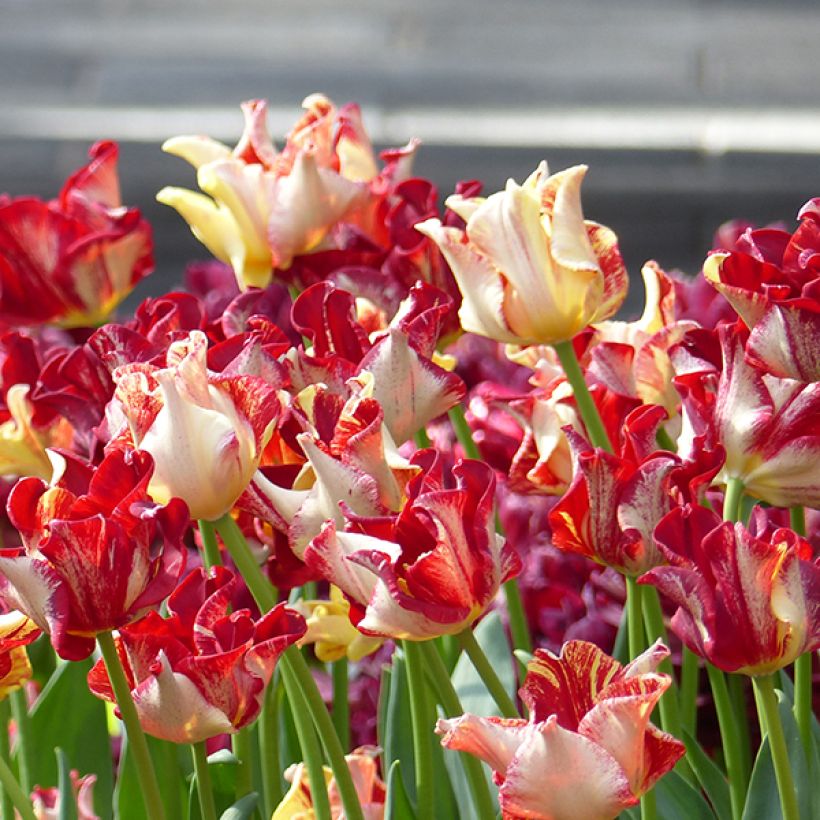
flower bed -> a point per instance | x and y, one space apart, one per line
381 472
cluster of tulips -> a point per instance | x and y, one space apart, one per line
385 516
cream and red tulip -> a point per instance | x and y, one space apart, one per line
16 632
203 670
430 570
205 431
72 260
748 600
530 269
588 750
98 552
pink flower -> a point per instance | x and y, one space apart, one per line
202 671
47 803
73 259
588 750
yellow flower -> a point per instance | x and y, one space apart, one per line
530 269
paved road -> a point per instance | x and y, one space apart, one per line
688 112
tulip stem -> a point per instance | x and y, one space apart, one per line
732 499
341 704
295 673
767 704
136 738
463 432
649 806
204 787
583 398
242 750
13 795
269 749
5 798
689 675
732 750
803 665
422 729
210 547
450 703
665 441
19 711
487 674
519 629
309 743
634 618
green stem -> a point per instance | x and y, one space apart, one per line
463 432
519 628
767 702
422 729
732 499
583 398
649 809
732 750
665 440
341 703
210 547
19 711
737 695
448 698
309 743
204 787
421 439
269 750
136 738
295 672
12 793
5 754
803 665
689 675
487 674
241 746
634 618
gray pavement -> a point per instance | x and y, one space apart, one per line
660 98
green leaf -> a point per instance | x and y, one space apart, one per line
762 799
242 809
397 805
678 800
471 690
710 777
398 738
222 767
172 766
522 656
69 717
68 805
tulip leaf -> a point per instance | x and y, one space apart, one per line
397 740
471 690
243 809
710 777
222 767
67 716
397 804
67 803
678 800
762 799
171 764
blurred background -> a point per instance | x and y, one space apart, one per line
689 112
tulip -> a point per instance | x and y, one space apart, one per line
47 803
16 631
97 554
530 269
747 599
262 207
203 670
72 260
430 570
370 788
588 750
22 446
772 279
205 432
767 426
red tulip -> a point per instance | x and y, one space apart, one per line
202 671
747 600
98 553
